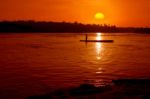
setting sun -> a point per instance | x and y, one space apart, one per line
99 15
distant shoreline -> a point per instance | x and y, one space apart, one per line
64 27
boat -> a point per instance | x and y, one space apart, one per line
104 41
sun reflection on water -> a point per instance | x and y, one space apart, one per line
99 71
98 46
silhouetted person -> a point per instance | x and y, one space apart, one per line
86 37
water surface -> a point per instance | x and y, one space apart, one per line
37 63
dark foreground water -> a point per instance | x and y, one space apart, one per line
33 64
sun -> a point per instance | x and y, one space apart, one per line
99 15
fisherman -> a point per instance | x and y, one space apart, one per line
86 37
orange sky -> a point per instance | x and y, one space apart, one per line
117 12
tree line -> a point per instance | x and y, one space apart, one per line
63 27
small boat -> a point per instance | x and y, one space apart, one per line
104 41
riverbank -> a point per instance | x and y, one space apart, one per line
119 89
64 27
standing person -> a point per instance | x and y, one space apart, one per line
86 37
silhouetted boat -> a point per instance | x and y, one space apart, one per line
104 41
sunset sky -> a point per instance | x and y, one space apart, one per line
116 12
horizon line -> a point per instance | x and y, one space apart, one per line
75 22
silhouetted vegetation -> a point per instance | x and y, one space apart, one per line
80 91
119 89
62 27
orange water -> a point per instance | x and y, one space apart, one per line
38 63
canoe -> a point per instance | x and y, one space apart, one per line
104 41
